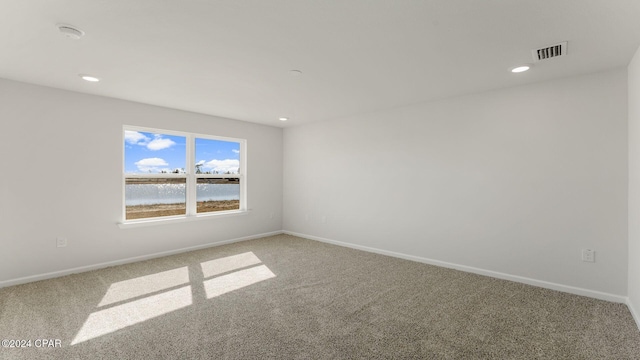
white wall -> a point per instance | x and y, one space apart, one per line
634 186
62 176
515 181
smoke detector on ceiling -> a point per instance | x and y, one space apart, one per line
549 52
69 31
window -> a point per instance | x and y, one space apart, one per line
170 174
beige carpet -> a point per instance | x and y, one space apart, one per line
284 297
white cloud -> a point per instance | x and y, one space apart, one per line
152 165
138 138
201 162
222 166
236 151
134 137
159 143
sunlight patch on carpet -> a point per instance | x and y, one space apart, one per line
119 317
229 263
129 289
236 280
136 300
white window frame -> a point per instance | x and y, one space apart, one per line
190 176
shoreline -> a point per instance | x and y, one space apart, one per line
156 210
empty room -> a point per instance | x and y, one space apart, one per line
208 179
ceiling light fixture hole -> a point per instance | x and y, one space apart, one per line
89 78
520 68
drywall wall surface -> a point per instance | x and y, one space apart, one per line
634 184
62 153
516 181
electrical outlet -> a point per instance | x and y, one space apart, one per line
271 216
588 255
61 242
306 217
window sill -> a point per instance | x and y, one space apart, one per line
179 219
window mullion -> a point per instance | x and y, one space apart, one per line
243 175
191 177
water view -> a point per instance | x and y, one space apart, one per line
149 194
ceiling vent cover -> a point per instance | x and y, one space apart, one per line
70 31
550 52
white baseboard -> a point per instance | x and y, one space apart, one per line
55 274
634 313
494 274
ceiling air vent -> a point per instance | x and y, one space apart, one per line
550 52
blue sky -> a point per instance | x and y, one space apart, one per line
146 152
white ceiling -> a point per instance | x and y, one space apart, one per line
233 58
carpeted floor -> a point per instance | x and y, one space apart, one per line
285 297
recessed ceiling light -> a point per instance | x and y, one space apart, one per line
520 68
69 31
89 78
283 118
